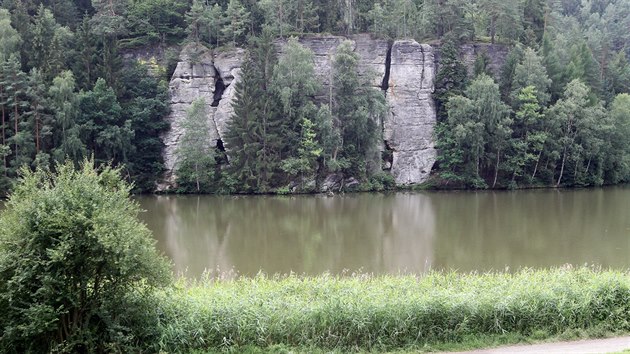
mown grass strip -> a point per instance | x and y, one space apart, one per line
392 312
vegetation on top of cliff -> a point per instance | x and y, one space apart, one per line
65 93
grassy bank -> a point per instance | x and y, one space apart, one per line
390 313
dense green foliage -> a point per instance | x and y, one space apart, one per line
77 268
66 93
385 313
280 140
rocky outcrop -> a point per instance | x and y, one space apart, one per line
200 74
404 69
408 128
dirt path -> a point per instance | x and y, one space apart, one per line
591 346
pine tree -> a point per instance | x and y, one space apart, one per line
236 22
481 64
50 45
195 24
40 114
16 85
85 65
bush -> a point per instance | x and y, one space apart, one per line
75 264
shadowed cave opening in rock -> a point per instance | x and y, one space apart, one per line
387 156
220 156
219 88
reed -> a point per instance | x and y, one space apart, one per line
363 312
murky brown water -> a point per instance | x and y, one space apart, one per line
392 233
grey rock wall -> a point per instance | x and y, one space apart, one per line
196 77
407 129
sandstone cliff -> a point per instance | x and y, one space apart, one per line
408 128
405 70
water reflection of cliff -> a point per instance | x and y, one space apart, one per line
370 232
393 233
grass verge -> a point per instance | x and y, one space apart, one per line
439 311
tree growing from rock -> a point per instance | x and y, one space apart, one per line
195 153
236 22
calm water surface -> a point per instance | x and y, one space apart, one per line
392 233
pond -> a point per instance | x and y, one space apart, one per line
392 233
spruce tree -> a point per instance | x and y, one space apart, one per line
254 139
451 78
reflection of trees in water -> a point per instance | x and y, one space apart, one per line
190 231
304 234
543 228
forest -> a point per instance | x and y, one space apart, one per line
558 114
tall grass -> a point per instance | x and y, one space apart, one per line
389 312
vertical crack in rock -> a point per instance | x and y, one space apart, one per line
388 65
220 157
219 88
408 129
423 65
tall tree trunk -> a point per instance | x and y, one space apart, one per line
496 168
564 159
537 162
4 157
197 175
37 133
17 119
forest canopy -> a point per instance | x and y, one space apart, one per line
556 115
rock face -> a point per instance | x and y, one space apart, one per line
408 129
200 74
405 69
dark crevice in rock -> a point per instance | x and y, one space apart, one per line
387 156
220 156
388 65
219 88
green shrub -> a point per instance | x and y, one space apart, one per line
77 268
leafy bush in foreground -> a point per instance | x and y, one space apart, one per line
372 313
76 266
